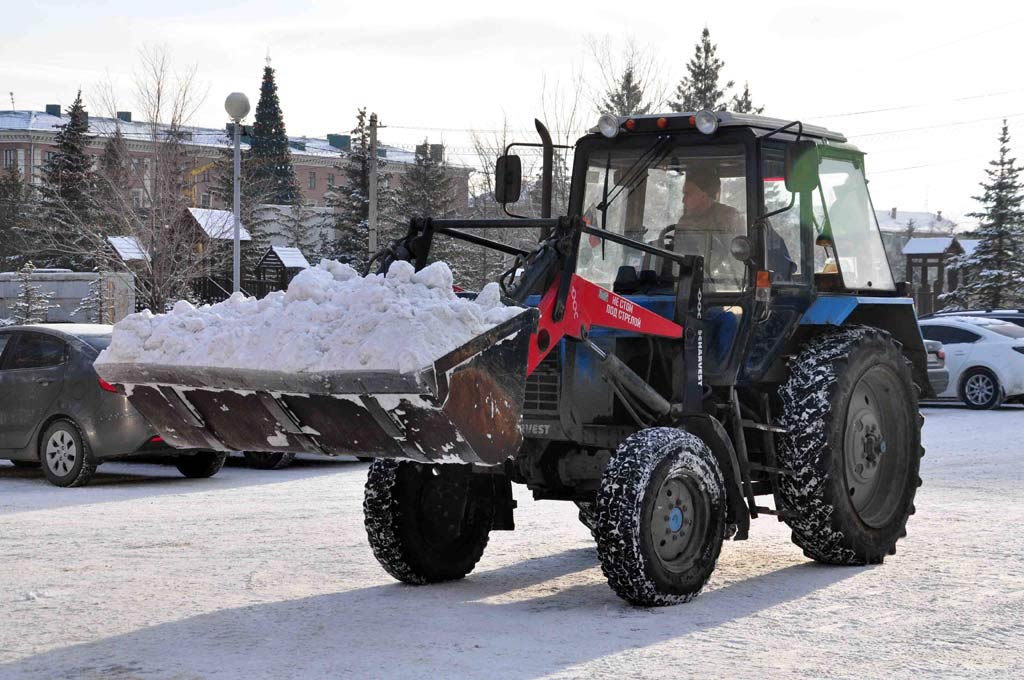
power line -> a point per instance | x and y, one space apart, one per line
936 127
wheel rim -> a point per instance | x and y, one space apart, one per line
875 470
61 453
678 522
979 389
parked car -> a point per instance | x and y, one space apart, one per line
938 376
1015 316
984 357
56 412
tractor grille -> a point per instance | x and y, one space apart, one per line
542 387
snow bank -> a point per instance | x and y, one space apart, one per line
330 319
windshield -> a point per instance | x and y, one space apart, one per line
691 200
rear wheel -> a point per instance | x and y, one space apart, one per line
65 457
980 389
660 517
427 523
268 461
854 446
201 465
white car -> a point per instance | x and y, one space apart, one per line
984 357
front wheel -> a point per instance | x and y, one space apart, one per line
427 523
660 517
201 465
853 446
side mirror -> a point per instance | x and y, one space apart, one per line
801 166
508 179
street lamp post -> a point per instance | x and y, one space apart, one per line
237 106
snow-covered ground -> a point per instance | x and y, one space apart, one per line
267 574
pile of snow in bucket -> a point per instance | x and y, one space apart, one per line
329 319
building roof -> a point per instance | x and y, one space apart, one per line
924 222
933 245
291 258
128 248
38 121
969 245
219 224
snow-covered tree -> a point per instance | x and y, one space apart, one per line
271 162
995 271
350 199
700 89
13 214
96 305
68 191
32 303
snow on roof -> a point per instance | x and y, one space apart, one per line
291 258
894 220
935 245
201 136
128 247
969 244
219 224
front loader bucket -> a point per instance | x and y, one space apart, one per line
464 408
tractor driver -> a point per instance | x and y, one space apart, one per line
707 228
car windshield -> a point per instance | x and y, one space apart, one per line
691 200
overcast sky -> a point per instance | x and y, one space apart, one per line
921 86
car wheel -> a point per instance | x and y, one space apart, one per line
65 457
201 465
980 389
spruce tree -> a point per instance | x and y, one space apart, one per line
68 190
993 276
13 215
32 303
700 89
628 98
350 200
95 306
743 103
271 173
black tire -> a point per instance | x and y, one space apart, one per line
201 465
33 464
66 457
980 389
268 461
854 444
660 517
427 523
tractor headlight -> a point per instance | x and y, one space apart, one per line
706 122
608 125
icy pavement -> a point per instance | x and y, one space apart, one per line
267 574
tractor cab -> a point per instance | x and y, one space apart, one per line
717 186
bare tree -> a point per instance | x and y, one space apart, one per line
628 80
143 226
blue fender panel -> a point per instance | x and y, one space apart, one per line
834 310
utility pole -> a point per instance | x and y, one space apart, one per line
373 186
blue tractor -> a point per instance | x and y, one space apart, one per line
714 334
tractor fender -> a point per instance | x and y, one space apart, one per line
894 315
712 433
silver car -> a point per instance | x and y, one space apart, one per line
55 411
